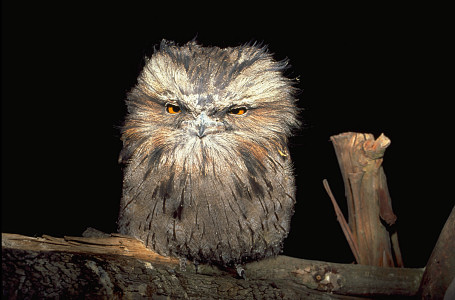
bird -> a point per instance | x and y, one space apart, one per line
207 174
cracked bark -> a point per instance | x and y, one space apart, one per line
119 267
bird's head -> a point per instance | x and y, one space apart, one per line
195 104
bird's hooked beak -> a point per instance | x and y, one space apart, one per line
205 125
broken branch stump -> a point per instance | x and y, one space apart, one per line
360 159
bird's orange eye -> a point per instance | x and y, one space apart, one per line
173 109
238 111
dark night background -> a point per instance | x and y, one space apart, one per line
66 70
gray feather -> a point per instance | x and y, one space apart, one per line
207 175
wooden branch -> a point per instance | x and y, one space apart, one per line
440 269
118 267
344 225
360 158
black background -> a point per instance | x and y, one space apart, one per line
66 70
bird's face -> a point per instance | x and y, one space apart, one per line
194 105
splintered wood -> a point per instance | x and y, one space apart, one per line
370 234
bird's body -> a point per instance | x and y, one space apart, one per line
207 172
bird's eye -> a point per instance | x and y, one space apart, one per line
238 111
173 109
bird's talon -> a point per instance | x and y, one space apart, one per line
240 271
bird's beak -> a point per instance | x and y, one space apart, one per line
204 125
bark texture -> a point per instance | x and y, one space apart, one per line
440 271
371 235
120 267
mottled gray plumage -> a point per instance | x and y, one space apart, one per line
207 174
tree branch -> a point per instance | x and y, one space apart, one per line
344 225
121 267
440 269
